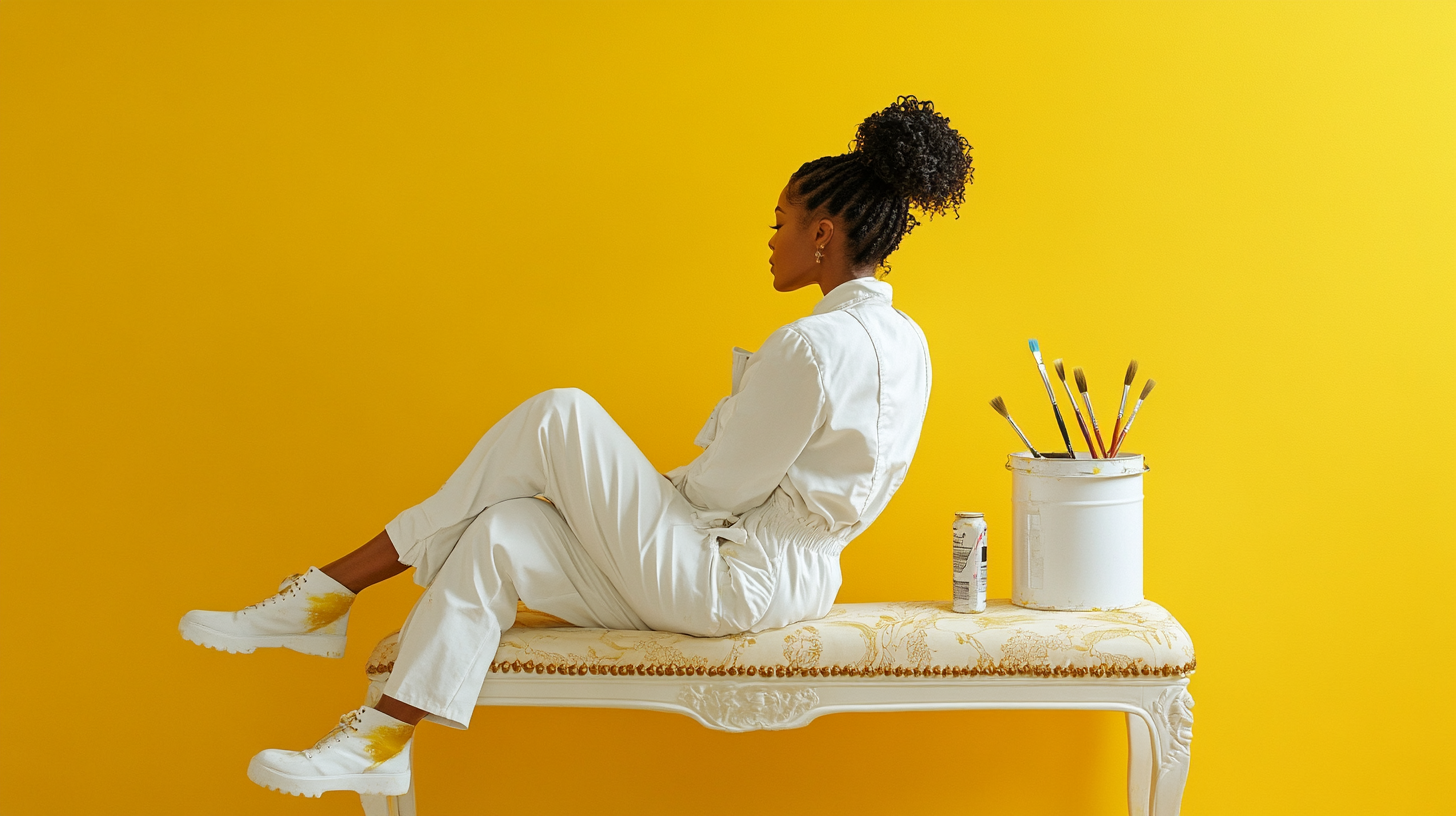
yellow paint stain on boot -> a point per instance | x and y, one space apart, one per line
325 609
386 741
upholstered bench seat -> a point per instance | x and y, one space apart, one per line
896 656
914 639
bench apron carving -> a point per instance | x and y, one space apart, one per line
738 707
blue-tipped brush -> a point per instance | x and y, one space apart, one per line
1051 395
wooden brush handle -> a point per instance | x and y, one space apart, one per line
1062 426
1087 435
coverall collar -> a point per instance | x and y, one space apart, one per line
851 292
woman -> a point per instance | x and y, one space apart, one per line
747 537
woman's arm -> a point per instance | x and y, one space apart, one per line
762 429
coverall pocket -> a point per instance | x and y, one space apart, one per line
746 573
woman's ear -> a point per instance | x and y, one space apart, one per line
824 233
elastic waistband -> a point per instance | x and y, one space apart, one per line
776 520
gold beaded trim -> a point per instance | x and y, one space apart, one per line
582 669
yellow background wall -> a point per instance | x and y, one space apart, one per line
269 270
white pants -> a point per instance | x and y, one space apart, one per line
618 547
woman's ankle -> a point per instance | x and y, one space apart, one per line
404 712
376 561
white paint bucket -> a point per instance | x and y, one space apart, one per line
1077 531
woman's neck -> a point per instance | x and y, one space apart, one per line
829 283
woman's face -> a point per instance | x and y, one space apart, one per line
792 245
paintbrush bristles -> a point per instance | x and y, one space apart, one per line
1000 406
1131 372
1147 389
1081 379
1061 372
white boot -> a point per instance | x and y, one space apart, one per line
310 614
368 753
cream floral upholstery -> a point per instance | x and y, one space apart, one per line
901 639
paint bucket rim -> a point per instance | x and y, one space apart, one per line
1084 466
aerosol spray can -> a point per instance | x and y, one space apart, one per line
968 562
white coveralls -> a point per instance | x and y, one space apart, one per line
746 537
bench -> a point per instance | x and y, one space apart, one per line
902 656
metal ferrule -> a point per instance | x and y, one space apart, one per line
1128 426
1071 397
1087 399
1122 406
1047 381
1024 440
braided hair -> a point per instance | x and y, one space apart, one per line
904 156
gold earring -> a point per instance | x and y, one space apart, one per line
819 255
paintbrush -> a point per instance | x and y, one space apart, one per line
1091 415
1081 423
1147 389
1121 406
1051 395
1000 406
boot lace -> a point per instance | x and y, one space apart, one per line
285 589
348 724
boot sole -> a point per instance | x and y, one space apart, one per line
317 645
368 784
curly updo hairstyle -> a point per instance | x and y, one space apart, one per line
904 156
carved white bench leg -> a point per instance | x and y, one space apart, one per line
1139 765
1172 712
391 805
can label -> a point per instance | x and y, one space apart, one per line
968 563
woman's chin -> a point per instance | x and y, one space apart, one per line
783 285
